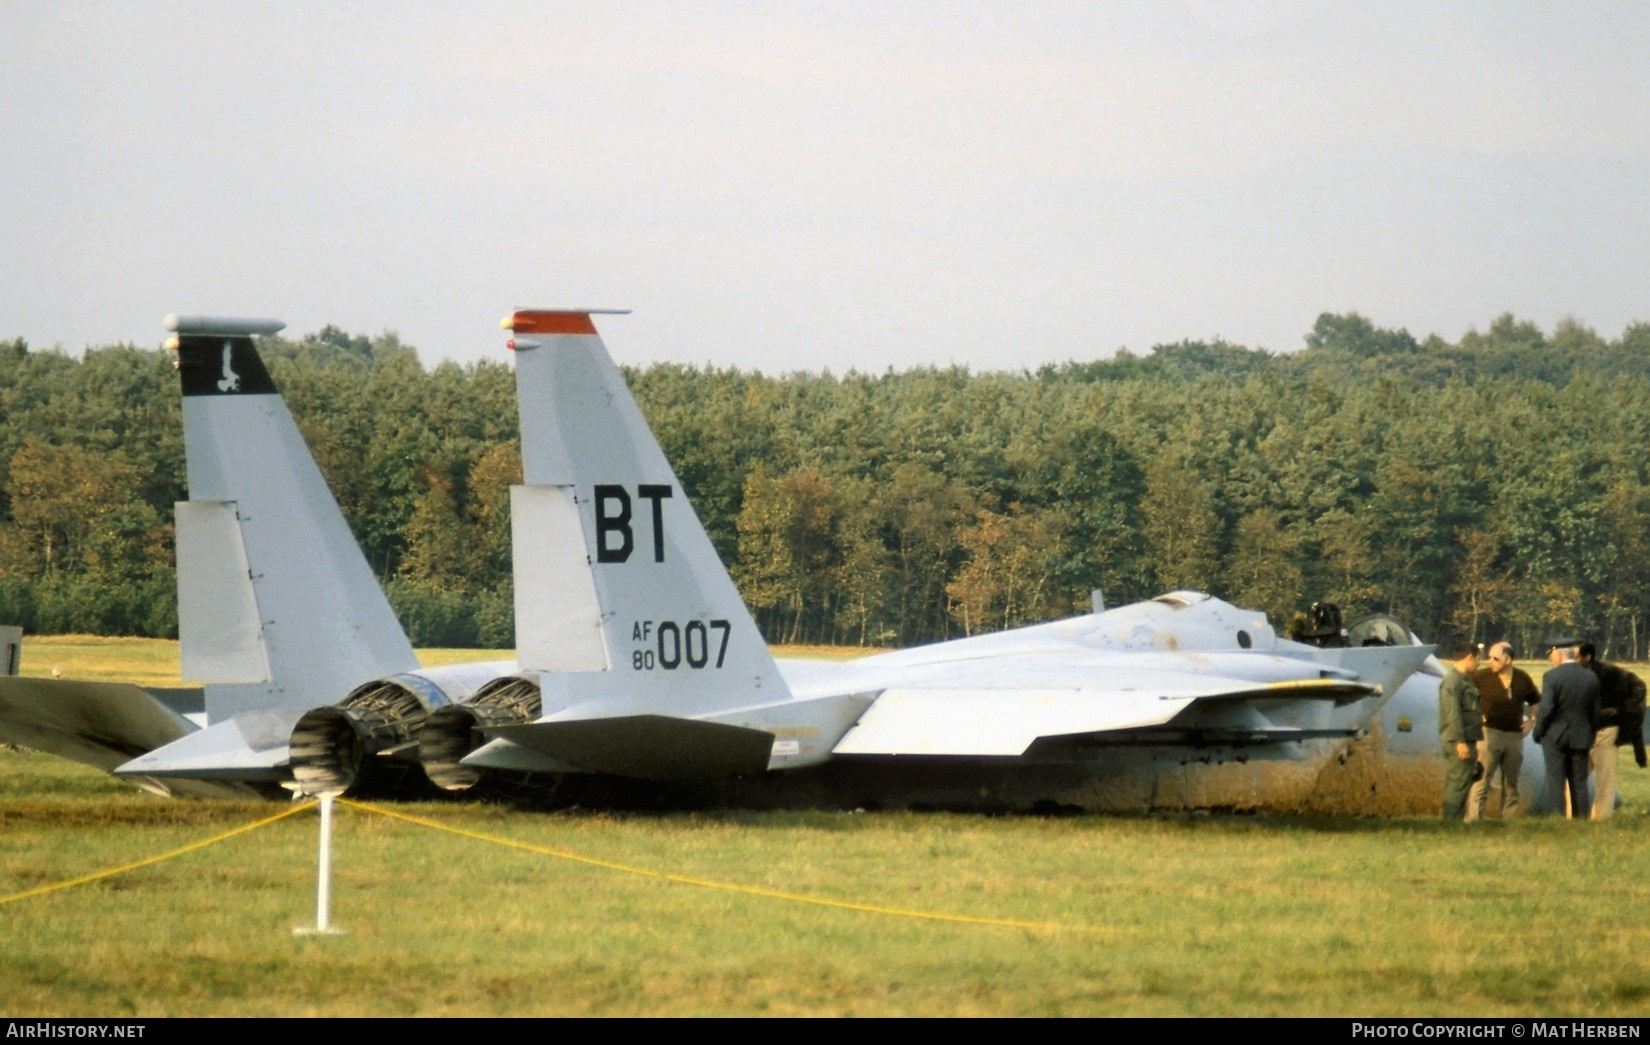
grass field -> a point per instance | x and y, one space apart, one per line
155 662
1167 915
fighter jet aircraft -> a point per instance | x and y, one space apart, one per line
279 616
639 661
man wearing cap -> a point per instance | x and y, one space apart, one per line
1565 726
1509 698
1620 702
1460 727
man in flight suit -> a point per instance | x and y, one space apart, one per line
1460 727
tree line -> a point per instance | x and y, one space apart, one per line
1490 487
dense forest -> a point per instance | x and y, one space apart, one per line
1492 487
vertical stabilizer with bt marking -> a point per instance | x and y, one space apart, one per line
647 661
647 657
277 608
619 591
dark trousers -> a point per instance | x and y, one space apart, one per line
1567 769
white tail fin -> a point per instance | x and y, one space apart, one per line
277 607
619 591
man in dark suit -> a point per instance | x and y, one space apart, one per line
1565 726
1620 721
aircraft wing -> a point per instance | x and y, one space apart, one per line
101 724
1006 722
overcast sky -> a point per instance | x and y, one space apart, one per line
793 186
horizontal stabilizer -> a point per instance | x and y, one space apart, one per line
100 724
1006 722
250 747
644 747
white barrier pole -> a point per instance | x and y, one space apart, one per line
323 879
323 889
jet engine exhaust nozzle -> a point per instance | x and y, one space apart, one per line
333 747
454 731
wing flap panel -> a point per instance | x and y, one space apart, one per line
1006 722
994 721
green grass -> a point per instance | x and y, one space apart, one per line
147 662
155 662
1148 916
1167 915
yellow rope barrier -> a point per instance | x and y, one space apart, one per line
562 854
191 847
732 887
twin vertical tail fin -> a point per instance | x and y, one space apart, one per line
623 608
277 607
278 611
614 572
